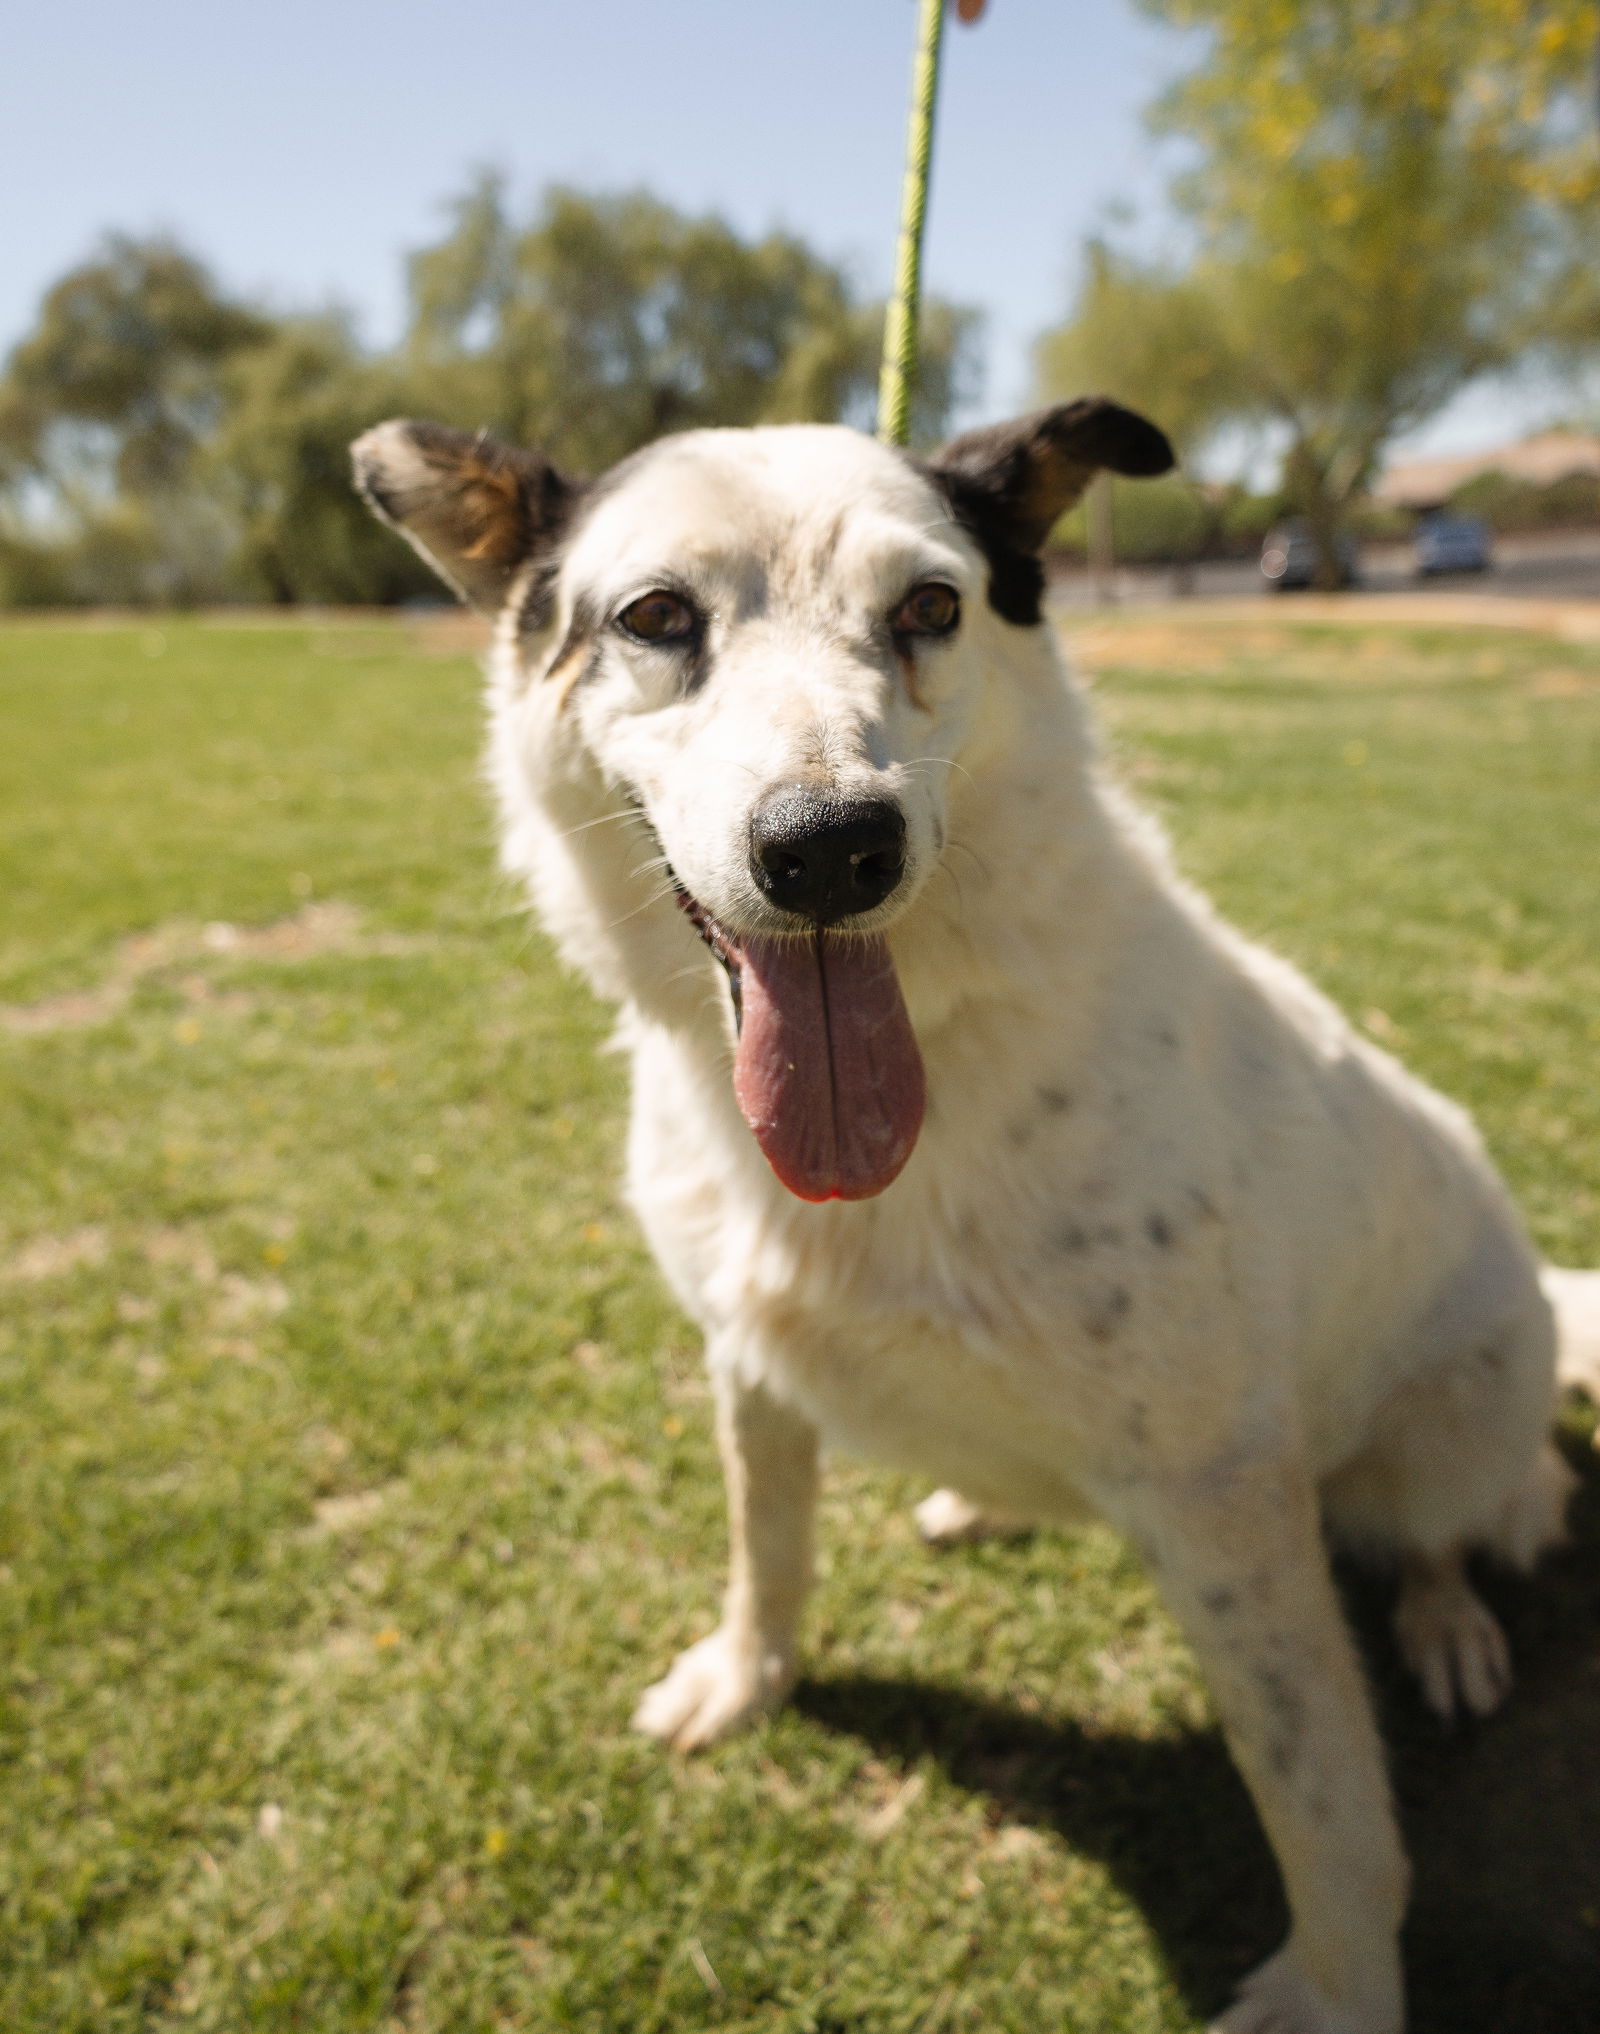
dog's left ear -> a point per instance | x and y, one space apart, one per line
475 510
1010 483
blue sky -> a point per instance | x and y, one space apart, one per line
301 146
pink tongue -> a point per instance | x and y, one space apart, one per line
828 1074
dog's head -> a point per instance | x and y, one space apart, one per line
771 645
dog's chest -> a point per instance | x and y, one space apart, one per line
1006 1335
918 1395
1024 1275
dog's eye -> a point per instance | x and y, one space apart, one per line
659 617
931 610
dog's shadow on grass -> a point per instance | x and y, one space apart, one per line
1502 1818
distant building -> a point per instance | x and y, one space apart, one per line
1547 457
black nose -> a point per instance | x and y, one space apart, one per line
823 856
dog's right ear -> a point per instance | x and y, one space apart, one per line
474 509
1008 483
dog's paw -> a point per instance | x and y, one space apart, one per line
947 1519
1450 1639
714 1688
1280 1999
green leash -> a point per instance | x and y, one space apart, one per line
899 372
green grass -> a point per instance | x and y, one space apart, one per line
355 1471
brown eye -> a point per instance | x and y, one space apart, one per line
659 617
931 610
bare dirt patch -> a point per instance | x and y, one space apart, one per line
350 1510
1570 621
1207 638
1563 684
1170 645
314 929
50 1256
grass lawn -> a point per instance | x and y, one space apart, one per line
355 1472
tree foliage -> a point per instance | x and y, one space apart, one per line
1153 338
105 408
605 322
278 466
160 441
1384 200
129 357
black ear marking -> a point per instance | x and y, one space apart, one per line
1009 483
476 510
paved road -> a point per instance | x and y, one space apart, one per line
1561 565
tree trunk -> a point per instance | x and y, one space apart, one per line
1323 508
1207 544
1102 558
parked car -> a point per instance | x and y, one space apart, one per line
1449 543
1289 558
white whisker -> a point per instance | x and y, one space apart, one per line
944 762
971 854
943 868
605 819
649 903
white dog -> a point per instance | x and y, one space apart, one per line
973 1140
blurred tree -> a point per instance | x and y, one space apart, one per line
591 329
1154 339
1387 198
159 442
605 322
279 466
129 352
103 408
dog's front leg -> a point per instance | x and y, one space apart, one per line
747 1665
1238 1554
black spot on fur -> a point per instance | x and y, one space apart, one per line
1159 1230
1220 1601
1052 1102
1285 1715
1101 1321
